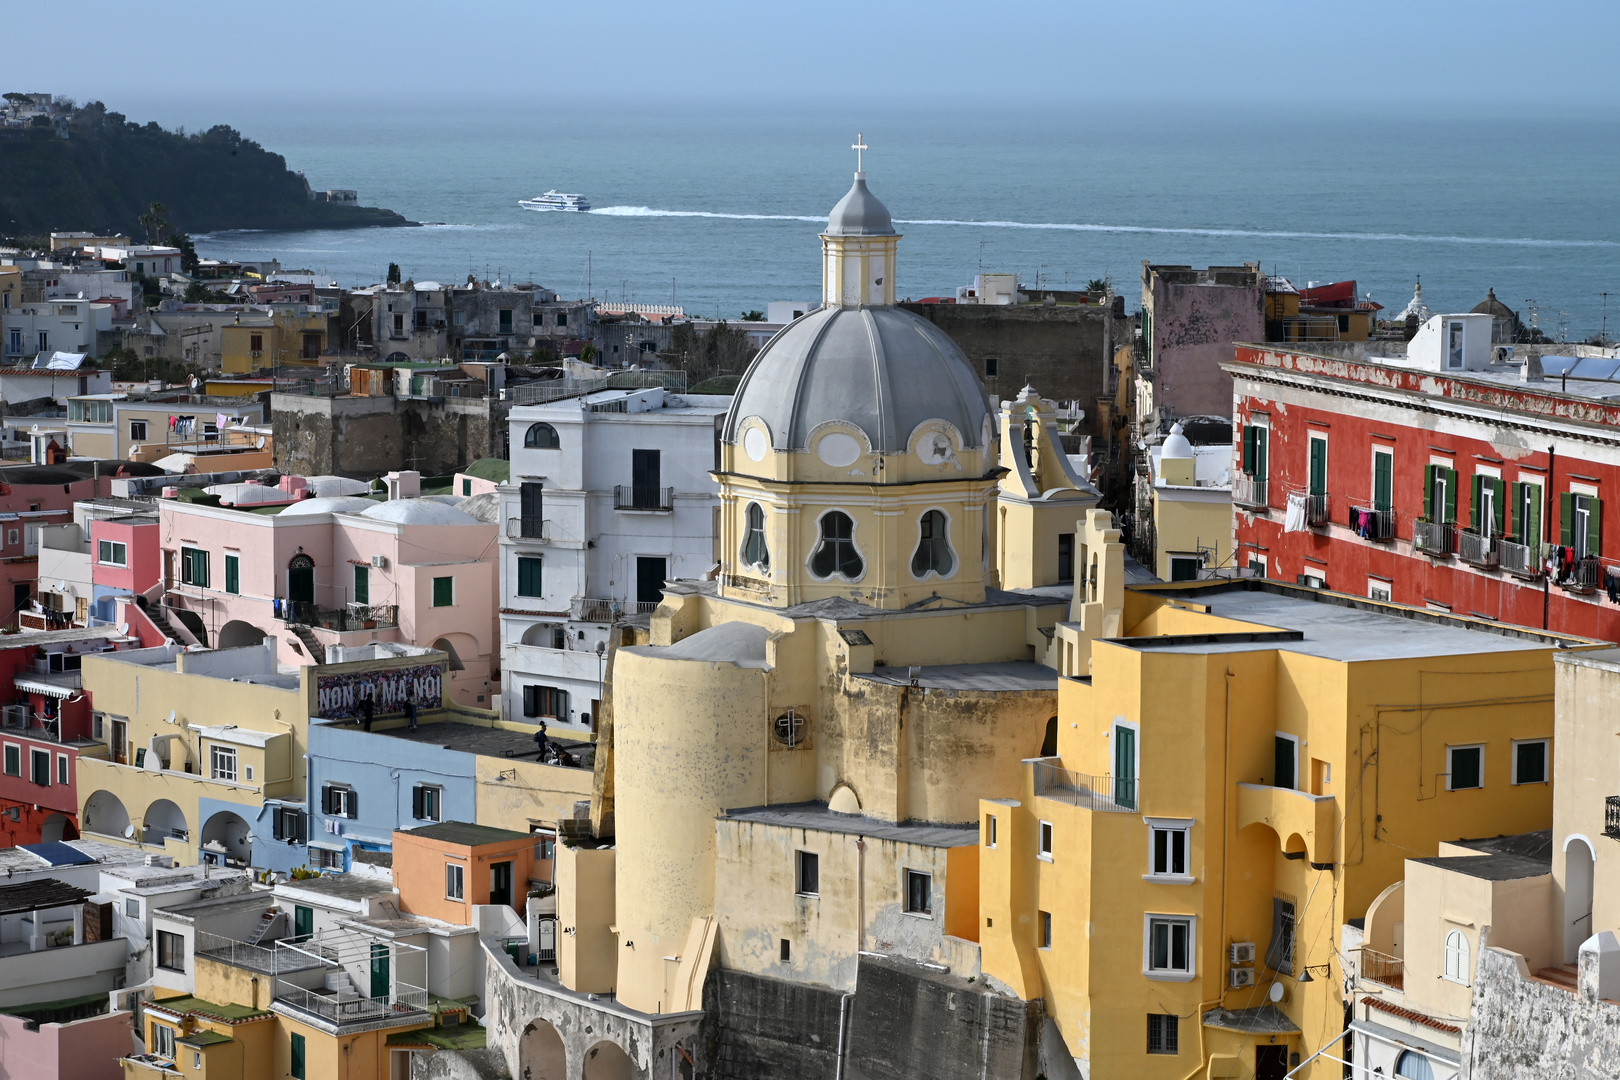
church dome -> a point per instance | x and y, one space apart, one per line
1493 307
882 369
859 213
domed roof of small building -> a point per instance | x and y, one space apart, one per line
335 504
1493 307
859 213
882 369
1176 445
1415 306
419 512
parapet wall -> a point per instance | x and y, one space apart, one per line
1524 1029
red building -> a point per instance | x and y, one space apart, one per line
1440 473
44 728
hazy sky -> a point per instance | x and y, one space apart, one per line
152 58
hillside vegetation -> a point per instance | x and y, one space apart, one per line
110 170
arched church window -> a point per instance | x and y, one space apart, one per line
754 551
836 553
933 555
541 437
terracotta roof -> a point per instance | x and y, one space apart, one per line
1408 1014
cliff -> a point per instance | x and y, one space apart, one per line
108 170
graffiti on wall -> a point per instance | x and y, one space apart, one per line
338 697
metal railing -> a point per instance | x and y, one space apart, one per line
1522 560
1583 575
1250 491
1106 794
536 393
1438 538
339 1008
1477 549
1611 816
528 528
594 609
353 617
1372 524
1382 968
265 959
1316 510
643 497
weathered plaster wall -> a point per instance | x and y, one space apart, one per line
1194 328
1525 1030
364 437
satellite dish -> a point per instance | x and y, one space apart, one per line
129 831
1276 993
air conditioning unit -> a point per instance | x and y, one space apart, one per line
334 827
380 562
1241 952
1239 977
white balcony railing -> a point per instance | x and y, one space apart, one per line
1250 491
1521 560
1476 549
1437 538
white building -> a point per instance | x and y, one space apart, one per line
67 325
610 496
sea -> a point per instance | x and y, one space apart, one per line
718 210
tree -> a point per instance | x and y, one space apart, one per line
393 273
753 316
154 222
188 251
1097 284
588 353
722 350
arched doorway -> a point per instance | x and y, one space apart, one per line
1049 743
163 820
236 634
1577 896
301 580
104 813
227 838
58 827
447 646
605 1061
541 1053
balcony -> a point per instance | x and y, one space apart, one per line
595 609
529 528
642 497
1316 510
1477 550
1105 794
1373 524
323 974
353 617
1584 575
1305 824
1520 560
1251 492
1611 817
1382 968
1434 538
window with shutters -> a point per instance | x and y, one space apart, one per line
339 800
194 567
13 759
298 1057
1580 523
444 591
1526 514
1254 451
1487 505
1440 494
362 584
1280 952
1530 761
233 574
427 801
528 574
39 767
1465 767
1318 464
62 768
1125 764
290 825
1383 488
546 701
1457 966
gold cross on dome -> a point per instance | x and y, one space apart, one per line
858 146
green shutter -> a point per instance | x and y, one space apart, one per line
1383 466
1319 466
1260 464
1451 495
1594 526
1500 504
1474 484
1566 519
233 579
444 591
1516 497
297 1057
1248 450
1428 493
362 584
1532 515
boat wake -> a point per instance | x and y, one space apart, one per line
1062 226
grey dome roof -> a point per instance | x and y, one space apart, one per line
880 368
859 213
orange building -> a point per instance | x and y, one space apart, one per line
444 870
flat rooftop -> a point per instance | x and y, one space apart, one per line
815 815
1501 858
474 739
1337 627
1016 676
351 887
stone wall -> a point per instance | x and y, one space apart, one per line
1064 352
1523 1029
364 437
758 1028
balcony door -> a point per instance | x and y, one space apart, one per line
500 883
651 573
646 477
531 508
379 969
301 580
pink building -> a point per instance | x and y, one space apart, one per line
43 1044
342 570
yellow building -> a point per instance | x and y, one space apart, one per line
291 335
1240 768
1192 508
118 426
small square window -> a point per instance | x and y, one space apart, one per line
444 591
1167 850
196 1059
787 951
919 892
163 1041
808 873
222 763
1168 947
426 802
137 430
1465 767
1530 761
1164 1033
171 951
132 908
62 769
13 760
1046 841
454 881
1046 929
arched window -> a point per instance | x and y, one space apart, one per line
754 551
1413 1066
933 554
541 437
836 553
1457 957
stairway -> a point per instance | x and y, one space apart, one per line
312 645
161 621
1564 976
267 923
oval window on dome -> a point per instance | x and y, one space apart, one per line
933 555
541 437
755 444
836 552
838 449
754 551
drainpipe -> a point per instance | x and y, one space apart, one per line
843 1011
860 936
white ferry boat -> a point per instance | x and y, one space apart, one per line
556 200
